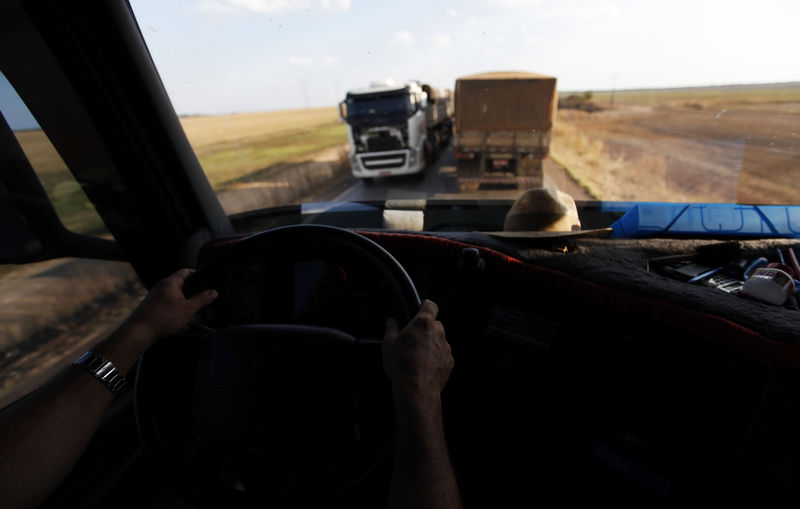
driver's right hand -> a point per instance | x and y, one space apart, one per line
418 358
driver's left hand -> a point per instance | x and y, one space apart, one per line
166 310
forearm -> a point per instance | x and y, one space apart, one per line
43 436
423 476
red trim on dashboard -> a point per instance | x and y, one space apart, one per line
586 293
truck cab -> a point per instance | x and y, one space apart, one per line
392 129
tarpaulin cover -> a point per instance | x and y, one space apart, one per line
505 101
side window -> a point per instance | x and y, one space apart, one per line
51 312
70 202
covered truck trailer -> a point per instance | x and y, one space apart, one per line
502 124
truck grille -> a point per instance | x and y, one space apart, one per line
383 162
382 143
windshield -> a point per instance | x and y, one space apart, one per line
378 106
695 102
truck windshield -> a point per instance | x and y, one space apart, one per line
379 106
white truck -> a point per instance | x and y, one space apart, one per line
396 129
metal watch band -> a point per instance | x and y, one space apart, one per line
103 370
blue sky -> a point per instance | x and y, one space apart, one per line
13 109
219 56
248 55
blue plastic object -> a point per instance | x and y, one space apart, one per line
755 264
708 220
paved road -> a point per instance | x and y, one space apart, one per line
439 181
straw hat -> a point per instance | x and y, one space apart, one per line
545 213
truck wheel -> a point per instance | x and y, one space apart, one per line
427 151
435 141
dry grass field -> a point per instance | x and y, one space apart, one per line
70 202
714 144
230 148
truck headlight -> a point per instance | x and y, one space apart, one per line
354 162
412 157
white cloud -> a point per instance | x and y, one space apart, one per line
335 5
271 6
514 4
301 62
452 13
262 6
217 7
492 53
306 62
403 37
444 40
261 79
534 40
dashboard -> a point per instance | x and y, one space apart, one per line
580 382
336 292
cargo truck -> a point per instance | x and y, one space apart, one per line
502 126
396 129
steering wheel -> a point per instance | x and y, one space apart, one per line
247 413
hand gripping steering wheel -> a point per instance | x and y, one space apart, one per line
275 414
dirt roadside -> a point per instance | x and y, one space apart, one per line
556 175
684 154
51 312
287 182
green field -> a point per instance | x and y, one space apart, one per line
234 164
71 204
731 97
231 148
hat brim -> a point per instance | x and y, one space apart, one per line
544 235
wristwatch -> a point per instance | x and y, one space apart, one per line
103 370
